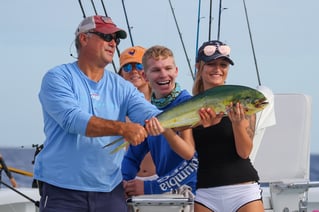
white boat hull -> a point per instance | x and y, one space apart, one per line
11 201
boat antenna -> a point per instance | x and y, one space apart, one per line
81 6
210 19
251 42
181 38
127 23
197 33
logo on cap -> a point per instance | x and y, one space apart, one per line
132 52
107 20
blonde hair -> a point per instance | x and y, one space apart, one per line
156 52
198 86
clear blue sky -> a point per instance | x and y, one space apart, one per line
37 35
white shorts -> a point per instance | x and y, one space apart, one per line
228 198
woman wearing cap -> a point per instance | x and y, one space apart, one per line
131 69
226 179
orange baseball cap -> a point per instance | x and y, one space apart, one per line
132 55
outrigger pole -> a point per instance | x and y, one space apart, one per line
127 23
252 44
180 36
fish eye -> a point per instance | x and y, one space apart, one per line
247 99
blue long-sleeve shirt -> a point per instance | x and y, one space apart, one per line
173 171
69 99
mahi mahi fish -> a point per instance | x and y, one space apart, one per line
218 98
186 114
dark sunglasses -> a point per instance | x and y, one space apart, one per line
107 37
129 67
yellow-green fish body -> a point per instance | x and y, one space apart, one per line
217 98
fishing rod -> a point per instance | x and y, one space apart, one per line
17 171
117 48
94 8
210 19
81 6
7 171
251 42
4 167
104 9
127 23
219 18
181 38
36 203
197 33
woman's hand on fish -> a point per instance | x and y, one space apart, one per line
153 127
208 117
237 115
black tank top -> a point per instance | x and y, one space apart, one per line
219 163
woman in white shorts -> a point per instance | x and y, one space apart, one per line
226 178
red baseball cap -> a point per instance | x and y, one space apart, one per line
101 24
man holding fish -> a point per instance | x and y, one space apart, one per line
176 169
84 107
223 121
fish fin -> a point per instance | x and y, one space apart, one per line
125 144
113 142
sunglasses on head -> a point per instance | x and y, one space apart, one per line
129 67
211 49
107 37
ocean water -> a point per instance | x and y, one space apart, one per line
21 158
